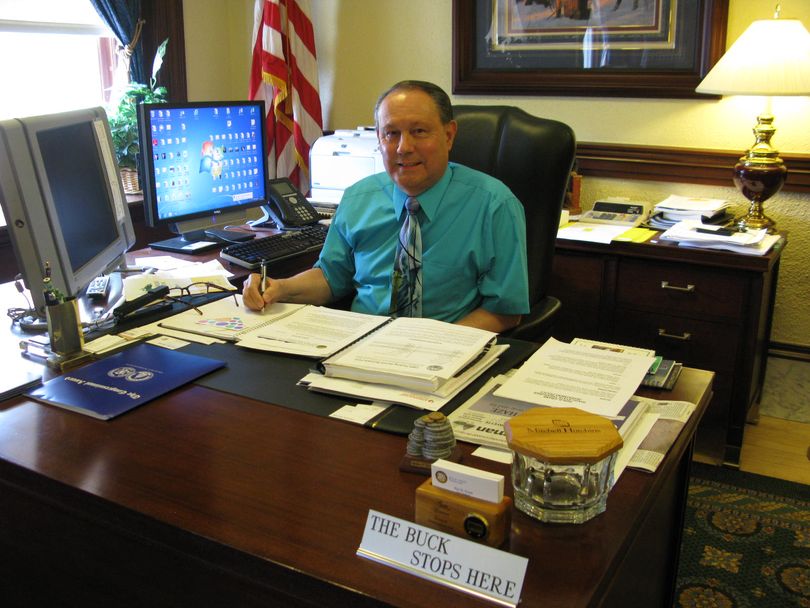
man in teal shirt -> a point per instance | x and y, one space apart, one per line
473 228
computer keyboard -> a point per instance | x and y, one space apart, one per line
275 247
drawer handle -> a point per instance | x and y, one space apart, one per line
684 336
689 288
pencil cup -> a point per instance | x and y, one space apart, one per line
64 327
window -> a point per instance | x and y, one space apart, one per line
58 56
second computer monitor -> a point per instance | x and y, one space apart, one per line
204 165
61 194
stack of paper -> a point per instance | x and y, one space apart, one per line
677 208
692 233
592 375
418 362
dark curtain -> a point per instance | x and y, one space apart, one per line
122 16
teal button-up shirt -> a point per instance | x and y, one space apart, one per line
473 245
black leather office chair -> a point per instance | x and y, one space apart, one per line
534 157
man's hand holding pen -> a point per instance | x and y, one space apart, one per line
308 287
260 291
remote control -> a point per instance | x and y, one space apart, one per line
98 287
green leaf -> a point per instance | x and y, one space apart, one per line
157 63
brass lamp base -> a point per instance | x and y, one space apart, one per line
758 183
759 175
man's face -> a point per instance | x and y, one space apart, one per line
415 145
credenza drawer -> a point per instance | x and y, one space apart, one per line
680 289
695 343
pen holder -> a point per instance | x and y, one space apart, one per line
64 327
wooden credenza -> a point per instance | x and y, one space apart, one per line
706 309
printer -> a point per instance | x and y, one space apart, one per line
337 161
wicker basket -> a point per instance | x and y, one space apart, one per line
129 177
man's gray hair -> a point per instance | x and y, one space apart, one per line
439 97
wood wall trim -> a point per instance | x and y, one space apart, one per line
691 165
164 19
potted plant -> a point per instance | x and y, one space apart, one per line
123 120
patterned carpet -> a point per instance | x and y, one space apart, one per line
746 542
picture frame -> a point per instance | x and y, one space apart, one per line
588 48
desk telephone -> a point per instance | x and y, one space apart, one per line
288 207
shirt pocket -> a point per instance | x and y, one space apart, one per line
458 281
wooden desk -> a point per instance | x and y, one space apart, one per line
205 498
708 309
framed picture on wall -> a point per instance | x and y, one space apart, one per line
588 48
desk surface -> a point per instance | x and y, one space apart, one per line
279 268
205 497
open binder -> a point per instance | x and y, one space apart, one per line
420 354
298 329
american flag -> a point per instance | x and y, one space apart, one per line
284 73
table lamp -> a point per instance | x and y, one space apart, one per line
772 57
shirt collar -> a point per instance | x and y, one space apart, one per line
429 200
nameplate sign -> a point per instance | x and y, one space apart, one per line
443 558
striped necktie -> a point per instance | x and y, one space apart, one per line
406 289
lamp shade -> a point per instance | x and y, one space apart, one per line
772 57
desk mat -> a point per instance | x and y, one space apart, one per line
271 378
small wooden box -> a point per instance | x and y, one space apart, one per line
471 518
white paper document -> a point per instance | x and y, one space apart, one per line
360 413
312 331
562 375
591 233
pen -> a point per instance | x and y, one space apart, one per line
264 275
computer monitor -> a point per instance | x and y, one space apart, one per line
204 168
63 200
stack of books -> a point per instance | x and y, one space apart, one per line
677 208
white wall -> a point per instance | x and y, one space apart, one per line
364 46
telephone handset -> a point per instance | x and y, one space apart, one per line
287 206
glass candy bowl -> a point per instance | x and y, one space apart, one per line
562 467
